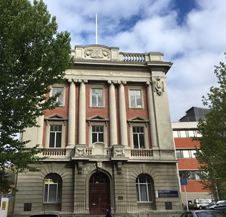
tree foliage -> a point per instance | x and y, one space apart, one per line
212 152
33 56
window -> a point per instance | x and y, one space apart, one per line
143 186
191 133
55 131
60 98
97 134
138 137
97 129
138 134
135 99
186 153
185 133
97 97
190 174
55 136
52 189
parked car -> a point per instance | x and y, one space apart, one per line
215 203
203 213
220 207
201 203
46 215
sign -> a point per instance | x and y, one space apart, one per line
167 193
3 205
183 182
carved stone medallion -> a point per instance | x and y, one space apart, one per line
98 53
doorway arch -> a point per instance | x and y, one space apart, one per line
99 193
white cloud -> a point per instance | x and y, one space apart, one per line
194 46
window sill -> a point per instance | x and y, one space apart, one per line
140 202
132 108
97 107
61 106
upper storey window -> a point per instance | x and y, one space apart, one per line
135 99
97 97
55 131
138 132
186 133
59 88
97 134
138 137
55 136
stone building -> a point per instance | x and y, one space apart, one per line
109 145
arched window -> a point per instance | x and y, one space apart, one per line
143 184
53 189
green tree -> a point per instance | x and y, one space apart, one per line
33 56
212 152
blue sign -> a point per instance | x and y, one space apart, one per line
183 182
167 193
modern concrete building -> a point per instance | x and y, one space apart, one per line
109 145
188 165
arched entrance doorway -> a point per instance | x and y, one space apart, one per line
99 193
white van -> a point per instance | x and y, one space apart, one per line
201 203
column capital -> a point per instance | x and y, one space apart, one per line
123 82
113 82
82 81
70 80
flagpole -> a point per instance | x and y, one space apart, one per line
96 28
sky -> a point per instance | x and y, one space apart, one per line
190 33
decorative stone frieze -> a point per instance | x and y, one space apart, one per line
118 151
80 150
55 117
97 53
158 86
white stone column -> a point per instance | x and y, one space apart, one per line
122 115
112 111
40 122
82 114
71 115
151 112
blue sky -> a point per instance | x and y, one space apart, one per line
190 33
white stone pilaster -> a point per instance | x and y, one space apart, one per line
71 115
112 111
151 112
122 116
40 130
82 114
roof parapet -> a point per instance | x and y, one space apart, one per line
100 52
